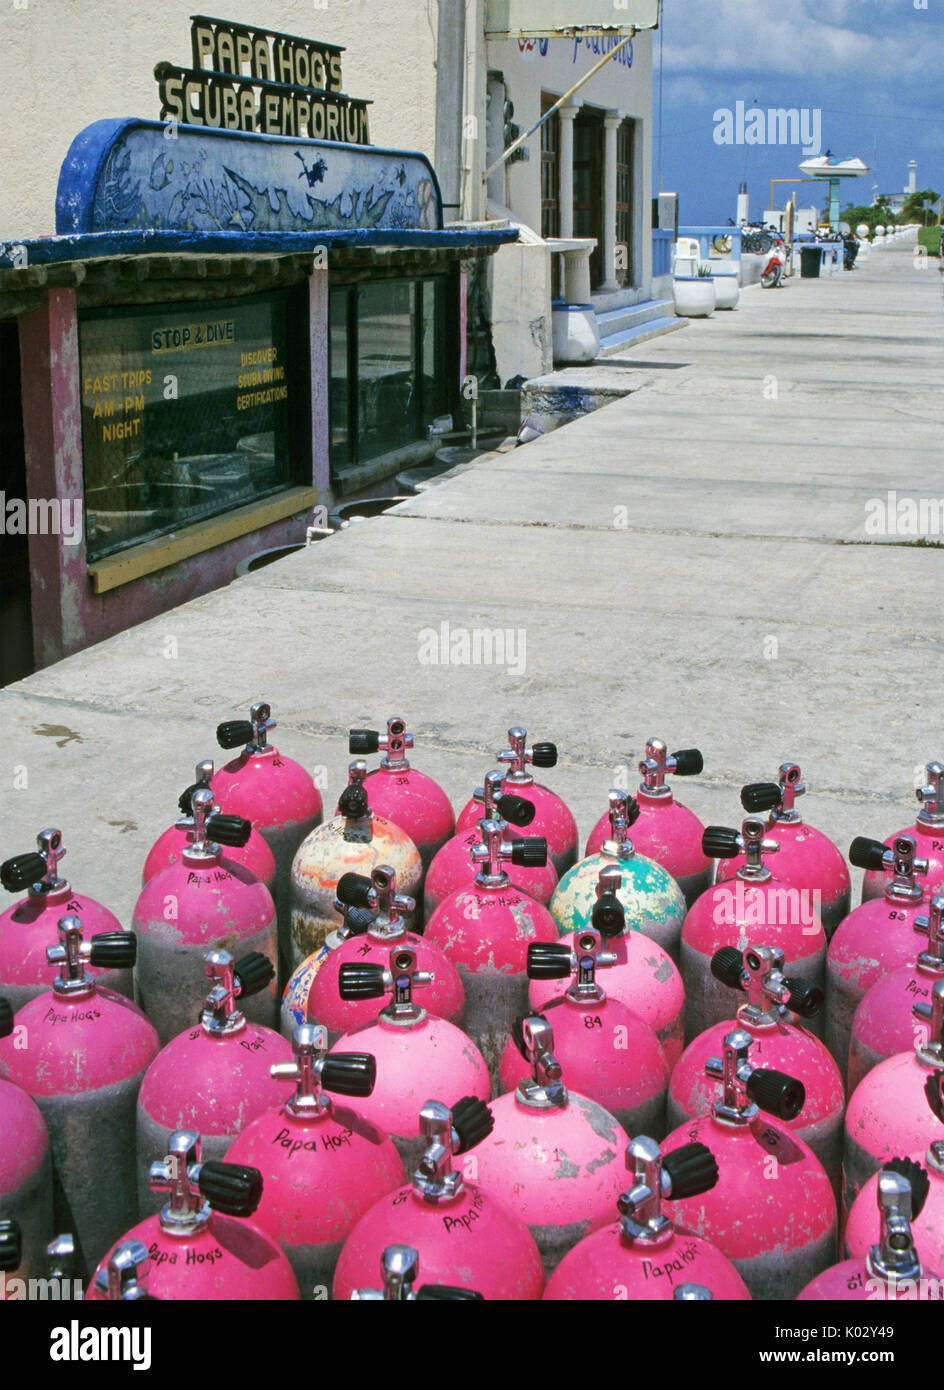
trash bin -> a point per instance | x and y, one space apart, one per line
810 260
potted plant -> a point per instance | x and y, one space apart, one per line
694 294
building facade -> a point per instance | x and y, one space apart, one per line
243 269
587 176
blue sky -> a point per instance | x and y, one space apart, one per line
873 68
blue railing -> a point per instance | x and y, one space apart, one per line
661 252
722 236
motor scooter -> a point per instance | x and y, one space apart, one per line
773 269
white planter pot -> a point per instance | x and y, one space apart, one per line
727 290
694 296
576 334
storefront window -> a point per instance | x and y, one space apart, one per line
338 360
386 365
389 372
433 378
187 411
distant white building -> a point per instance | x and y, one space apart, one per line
896 201
804 219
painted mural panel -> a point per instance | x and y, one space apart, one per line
128 175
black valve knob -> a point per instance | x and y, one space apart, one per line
11 1246
231 1188
633 811
358 920
516 810
233 831
473 1121
718 842
22 871
688 762
775 1092
352 803
917 1179
726 966
761 796
354 890
234 732
867 854
253 973
185 799
806 1000
6 1018
692 1169
115 950
349 1073
443 1293
363 741
529 852
544 754
548 961
358 980
608 916
934 1092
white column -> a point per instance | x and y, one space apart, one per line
611 124
566 169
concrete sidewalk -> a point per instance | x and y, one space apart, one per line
689 562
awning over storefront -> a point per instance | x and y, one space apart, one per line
127 189
132 174
88 246
507 19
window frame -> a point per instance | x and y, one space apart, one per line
350 458
299 424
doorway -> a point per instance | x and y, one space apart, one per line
16 626
550 169
625 137
588 184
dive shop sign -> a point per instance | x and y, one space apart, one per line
261 81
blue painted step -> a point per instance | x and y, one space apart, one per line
631 337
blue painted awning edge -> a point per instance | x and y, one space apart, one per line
83 246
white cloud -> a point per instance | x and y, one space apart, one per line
688 91
734 37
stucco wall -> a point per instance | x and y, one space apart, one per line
67 63
521 310
528 70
